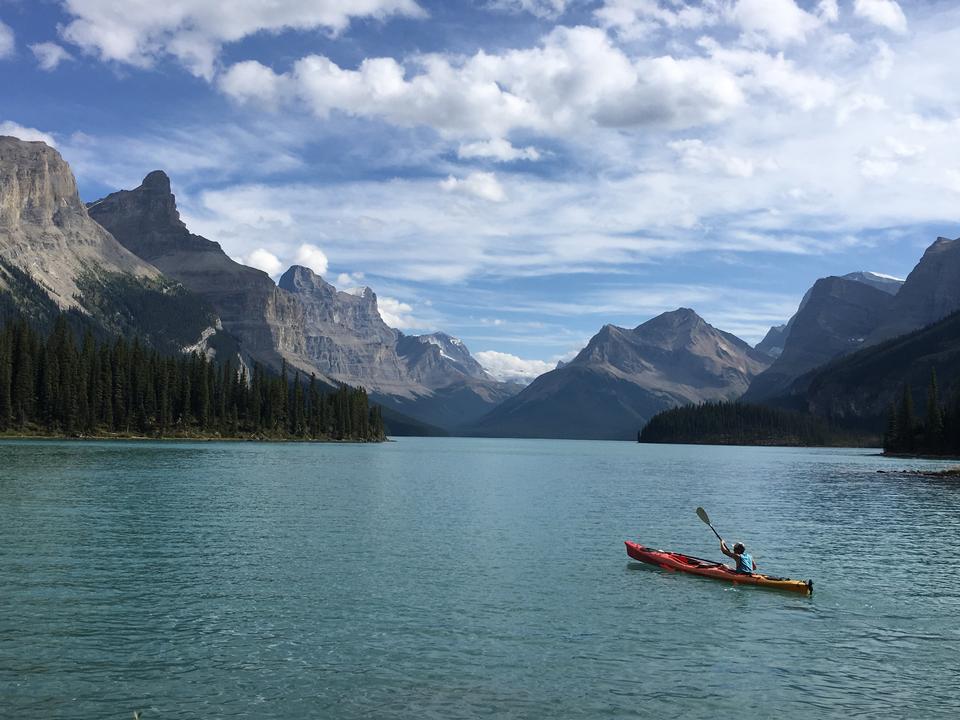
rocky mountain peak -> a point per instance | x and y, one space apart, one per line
45 228
930 292
437 354
146 219
298 278
36 185
157 182
886 283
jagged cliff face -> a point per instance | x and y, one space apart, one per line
930 292
835 319
344 335
437 360
54 257
776 338
45 229
623 377
266 320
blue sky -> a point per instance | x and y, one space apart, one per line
517 172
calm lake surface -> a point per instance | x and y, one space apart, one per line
460 578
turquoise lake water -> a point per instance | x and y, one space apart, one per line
463 578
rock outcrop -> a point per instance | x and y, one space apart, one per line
623 377
45 230
54 258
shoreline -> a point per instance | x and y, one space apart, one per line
921 456
185 438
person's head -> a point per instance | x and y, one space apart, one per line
738 548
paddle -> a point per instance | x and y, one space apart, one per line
702 514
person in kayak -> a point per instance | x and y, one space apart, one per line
745 563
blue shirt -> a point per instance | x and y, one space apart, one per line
744 563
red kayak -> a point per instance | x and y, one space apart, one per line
707 568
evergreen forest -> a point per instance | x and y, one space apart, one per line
63 383
735 423
935 432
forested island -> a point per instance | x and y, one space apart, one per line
736 423
58 384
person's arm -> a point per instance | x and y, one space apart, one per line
725 550
754 564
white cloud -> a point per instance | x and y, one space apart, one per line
857 102
264 260
828 10
778 21
346 281
49 55
885 159
250 81
8 127
312 257
575 78
138 32
773 75
497 149
696 155
886 13
483 185
510 368
397 314
636 19
8 43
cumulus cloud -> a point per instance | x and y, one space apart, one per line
8 127
8 42
886 13
510 368
778 21
497 149
397 314
264 260
312 257
828 10
774 76
575 78
138 32
49 55
483 185
250 81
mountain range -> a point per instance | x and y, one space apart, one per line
127 264
623 377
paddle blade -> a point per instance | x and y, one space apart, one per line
702 514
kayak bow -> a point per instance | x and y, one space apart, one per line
708 568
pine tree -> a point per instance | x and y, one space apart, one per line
905 421
933 430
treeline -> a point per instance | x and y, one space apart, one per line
57 384
735 423
937 433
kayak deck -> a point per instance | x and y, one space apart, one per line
708 568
